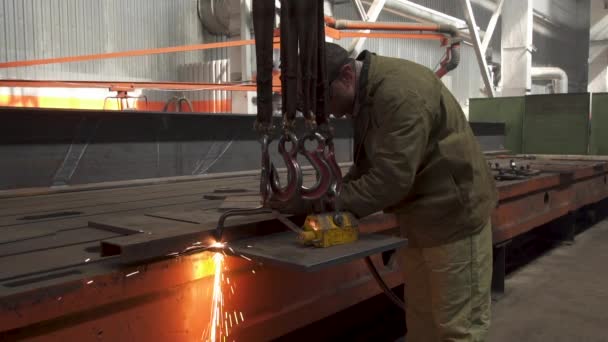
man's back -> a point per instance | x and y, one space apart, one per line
453 193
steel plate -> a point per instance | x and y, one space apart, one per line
283 249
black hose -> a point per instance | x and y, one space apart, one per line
263 12
455 60
453 49
178 104
389 293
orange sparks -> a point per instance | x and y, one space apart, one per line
217 299
132 274
217 245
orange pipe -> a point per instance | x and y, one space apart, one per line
130 86
330 21
427 36
330 31
125 54
132 53
363 25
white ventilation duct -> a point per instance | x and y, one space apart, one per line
551 74
220 16
424 13
420 13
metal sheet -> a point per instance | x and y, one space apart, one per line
282 249
598 144
556 124
490 135
508 110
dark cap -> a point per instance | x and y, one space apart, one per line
336 57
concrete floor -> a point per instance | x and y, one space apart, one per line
560 296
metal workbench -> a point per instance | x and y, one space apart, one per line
55 283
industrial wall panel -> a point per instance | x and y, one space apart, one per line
599 124
33 29
56 28
42 147
556 124
508 110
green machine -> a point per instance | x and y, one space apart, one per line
548 124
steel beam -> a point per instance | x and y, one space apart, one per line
483 66
360 9
372 15
491 26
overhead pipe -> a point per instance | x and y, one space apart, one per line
452 58
417 12
420 13
425 13
341 24
216 15
551 74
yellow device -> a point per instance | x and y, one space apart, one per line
330 229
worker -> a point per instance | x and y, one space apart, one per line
416 156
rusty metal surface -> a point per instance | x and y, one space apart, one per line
563 186
168 299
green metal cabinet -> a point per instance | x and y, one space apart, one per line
507 110
544 124
556 124
599 124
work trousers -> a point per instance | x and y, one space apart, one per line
448 289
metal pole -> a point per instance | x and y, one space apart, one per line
360 9
468 11
245 35
372 15
491 27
